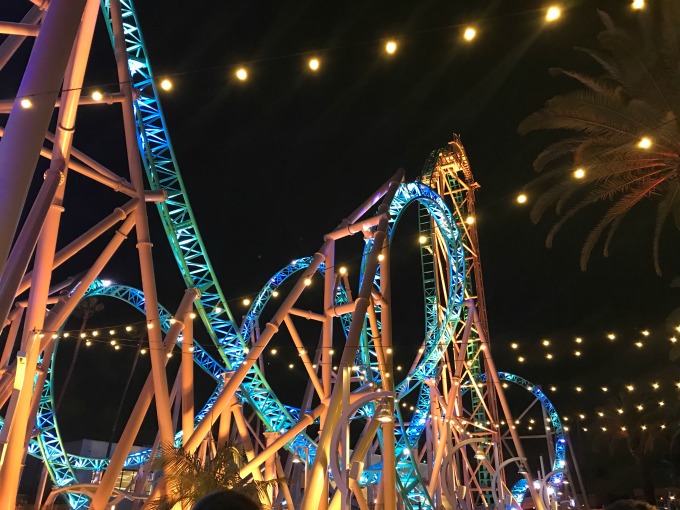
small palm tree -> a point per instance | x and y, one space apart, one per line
622 132
188 477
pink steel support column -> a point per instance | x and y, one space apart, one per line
20 418
134 423
12 43
144 244
270 462
538 501
255 352
15 317
187 371
313 493
118 214
21 253
388 479
25 130
327 328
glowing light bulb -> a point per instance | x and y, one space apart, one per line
645 143
630 387
113 342
391 47
553 13
149 325
95 333
577 353
514 345
169 355
116 347
308 281
578 340
273 352
579 389
469 34
549 356
241 74
275 293
553 388
66 335
638 4
112 332
422 239
381 257
579 173
314 64
639 345
26 103
246 302
521 199
291 366
645 332
143 351
97 96
192 315
166 84
605 389
218 309
521 359
83 335
128 328
546 343
611 336
88 343
470 220
342 270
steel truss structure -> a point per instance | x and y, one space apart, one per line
451 451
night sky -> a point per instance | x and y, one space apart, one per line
273 163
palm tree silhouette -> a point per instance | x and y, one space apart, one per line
623 132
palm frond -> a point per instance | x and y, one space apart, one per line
622 206
662 212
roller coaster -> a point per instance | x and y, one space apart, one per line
442 435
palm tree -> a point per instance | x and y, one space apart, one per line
189 477
622 132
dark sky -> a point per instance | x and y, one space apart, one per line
274 163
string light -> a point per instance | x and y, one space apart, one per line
241 74
314 64
97 95
546 343
579 173
638 4
166 84
26 103
391 47
553 14
645 143
469 34
521 198
275 293
514 345
246 302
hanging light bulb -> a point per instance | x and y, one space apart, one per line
479 453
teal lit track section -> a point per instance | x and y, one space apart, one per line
162 171
49 445
180 226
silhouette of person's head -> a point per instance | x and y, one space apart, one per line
630 504
226 500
